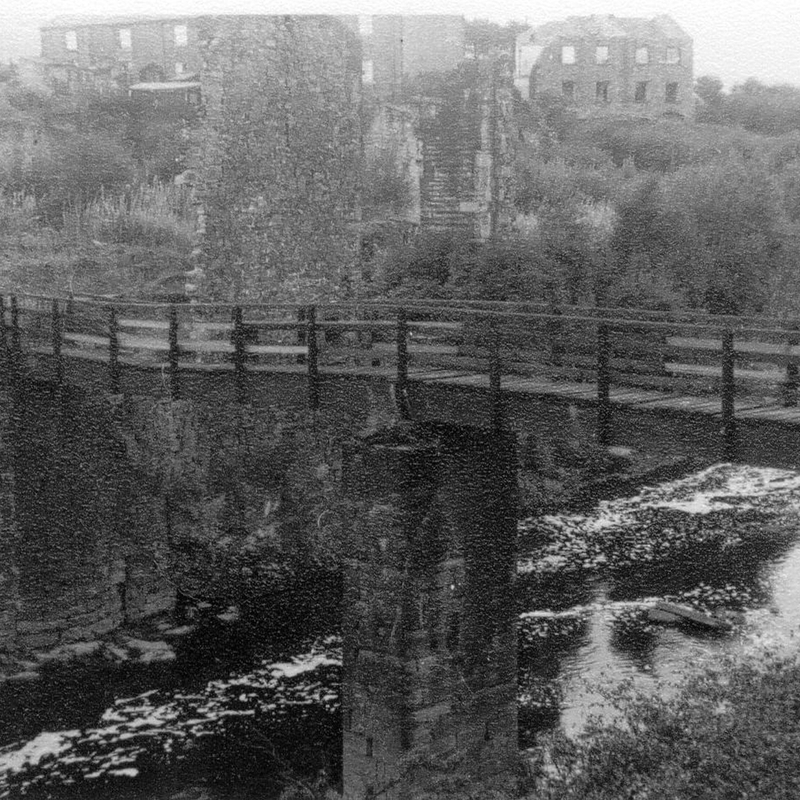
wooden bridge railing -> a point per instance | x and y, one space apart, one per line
698 355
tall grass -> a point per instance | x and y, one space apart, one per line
118 242
155 215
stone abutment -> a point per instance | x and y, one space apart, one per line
429 684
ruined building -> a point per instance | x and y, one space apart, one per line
278 154
609 66
96 53
291 108
109 53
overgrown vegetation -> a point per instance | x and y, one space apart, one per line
658 214
732 731
87 202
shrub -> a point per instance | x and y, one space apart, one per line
733 731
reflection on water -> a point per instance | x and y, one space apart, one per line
726 538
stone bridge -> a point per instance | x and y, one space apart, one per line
444 388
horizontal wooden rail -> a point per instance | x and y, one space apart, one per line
483 343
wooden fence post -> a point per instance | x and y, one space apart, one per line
239 355
16 342
728 395
56 338
302 332
603 384
113 351
313 358
401 386
792 377
174 379
495 378
3 332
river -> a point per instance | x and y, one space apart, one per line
726 538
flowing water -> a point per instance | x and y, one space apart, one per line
725 539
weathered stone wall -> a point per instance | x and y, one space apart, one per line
452 142
9 532
466 130
278 155
392 140
82 545
429 693
111 506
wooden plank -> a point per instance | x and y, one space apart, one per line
467 380
277 349
770 352
212 327
743 404
768 348
356 325
772 412
433 375
86 339
436 325
683 403
143 343
694 343
433 349
206 346
566 390
766 375
149 324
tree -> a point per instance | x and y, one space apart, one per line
486 38
711 108
725 218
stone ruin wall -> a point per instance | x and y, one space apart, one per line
286 129
277 154
114 505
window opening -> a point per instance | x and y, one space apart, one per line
672 93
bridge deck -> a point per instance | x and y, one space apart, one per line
625 375
581 393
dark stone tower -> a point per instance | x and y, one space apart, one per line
429 689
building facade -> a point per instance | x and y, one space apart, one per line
448 134
609 66
101 53
113 52
399 48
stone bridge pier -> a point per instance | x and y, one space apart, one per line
429 684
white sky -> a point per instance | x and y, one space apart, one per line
733 39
